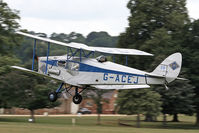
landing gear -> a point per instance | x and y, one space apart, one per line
77 98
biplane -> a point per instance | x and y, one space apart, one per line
79 69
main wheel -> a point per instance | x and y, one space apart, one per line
52 96
77 99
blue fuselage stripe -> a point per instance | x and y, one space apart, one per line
89 68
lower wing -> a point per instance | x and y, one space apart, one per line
120 87
32 72
95 86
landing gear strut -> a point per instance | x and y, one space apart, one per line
52 96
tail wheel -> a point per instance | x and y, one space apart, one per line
52 96
77 99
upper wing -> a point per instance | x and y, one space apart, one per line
107 50
122 51
72 45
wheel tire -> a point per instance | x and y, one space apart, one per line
77 99
52 96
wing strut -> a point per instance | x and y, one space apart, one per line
33 56
80 55
126 61
47 57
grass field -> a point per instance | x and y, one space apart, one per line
87 124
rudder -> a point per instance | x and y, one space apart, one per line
170 67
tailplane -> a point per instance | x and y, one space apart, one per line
170 67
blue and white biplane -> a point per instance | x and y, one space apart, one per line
80 70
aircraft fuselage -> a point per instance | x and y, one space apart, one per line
92 72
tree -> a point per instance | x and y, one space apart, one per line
155 26
8 39
26 91
178 99
72 37
5 63
141 101
101 39
8 25
191 59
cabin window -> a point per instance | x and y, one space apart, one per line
73 68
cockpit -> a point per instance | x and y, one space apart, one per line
73 66
62 63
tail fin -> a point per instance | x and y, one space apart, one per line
170 67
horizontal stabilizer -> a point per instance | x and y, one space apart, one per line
154 75
106 50
120 87
182 79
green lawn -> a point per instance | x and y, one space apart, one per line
87 124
